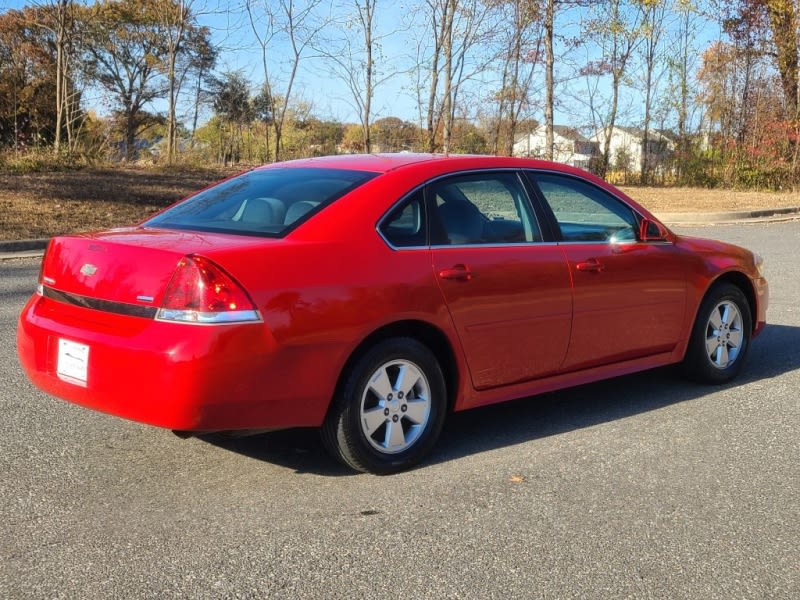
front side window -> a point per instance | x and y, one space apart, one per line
586 213
485 208
267 202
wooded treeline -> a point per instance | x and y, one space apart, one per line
718 77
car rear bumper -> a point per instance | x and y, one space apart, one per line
172 375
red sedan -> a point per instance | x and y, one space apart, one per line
371 295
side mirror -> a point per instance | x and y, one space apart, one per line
651 231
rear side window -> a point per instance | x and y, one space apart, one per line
405 226
483 208
267 202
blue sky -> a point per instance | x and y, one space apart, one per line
330 98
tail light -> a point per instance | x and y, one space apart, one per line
42 279
201 292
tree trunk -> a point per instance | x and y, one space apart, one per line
61 8
501 109
549 66
196 104
369 6
432 124
447 107
612 118
683 111
130 135
59 88
784 25
171 124
515 87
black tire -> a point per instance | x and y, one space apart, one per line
703 363
416 415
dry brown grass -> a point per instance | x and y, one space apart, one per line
675 200
45 204
36 205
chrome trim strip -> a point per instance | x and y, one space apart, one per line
196 317
495 245
120 308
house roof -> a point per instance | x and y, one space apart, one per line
569 133
565 131
638 132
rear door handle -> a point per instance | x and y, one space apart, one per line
591 265
459 272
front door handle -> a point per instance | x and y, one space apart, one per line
458 272
591 265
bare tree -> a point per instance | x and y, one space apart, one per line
655 12
357 60
519 55
174 18
187 49
57 17
681 64
549 66
551 10
457 28
280 21
617 26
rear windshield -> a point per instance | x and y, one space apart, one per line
268 202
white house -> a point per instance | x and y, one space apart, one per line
569 146
626 148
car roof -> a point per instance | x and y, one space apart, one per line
383 163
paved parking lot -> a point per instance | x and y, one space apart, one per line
644 487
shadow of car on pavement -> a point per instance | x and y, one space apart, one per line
527 419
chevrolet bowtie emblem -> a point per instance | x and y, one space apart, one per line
88 270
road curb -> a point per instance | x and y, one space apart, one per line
709 218
22 248
35 247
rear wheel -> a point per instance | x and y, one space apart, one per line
390 409
720 337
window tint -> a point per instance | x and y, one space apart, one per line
264 202
487 208
584 212
405 225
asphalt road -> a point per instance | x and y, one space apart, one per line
642 487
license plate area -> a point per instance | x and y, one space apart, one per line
73 362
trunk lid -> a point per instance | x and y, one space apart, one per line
131 265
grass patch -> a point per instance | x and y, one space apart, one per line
36 205
52 202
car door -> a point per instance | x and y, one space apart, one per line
507 291
629 296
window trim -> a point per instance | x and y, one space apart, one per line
528 197
430 201
395 206
403 199
549 215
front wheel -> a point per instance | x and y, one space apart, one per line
390 409
720 337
